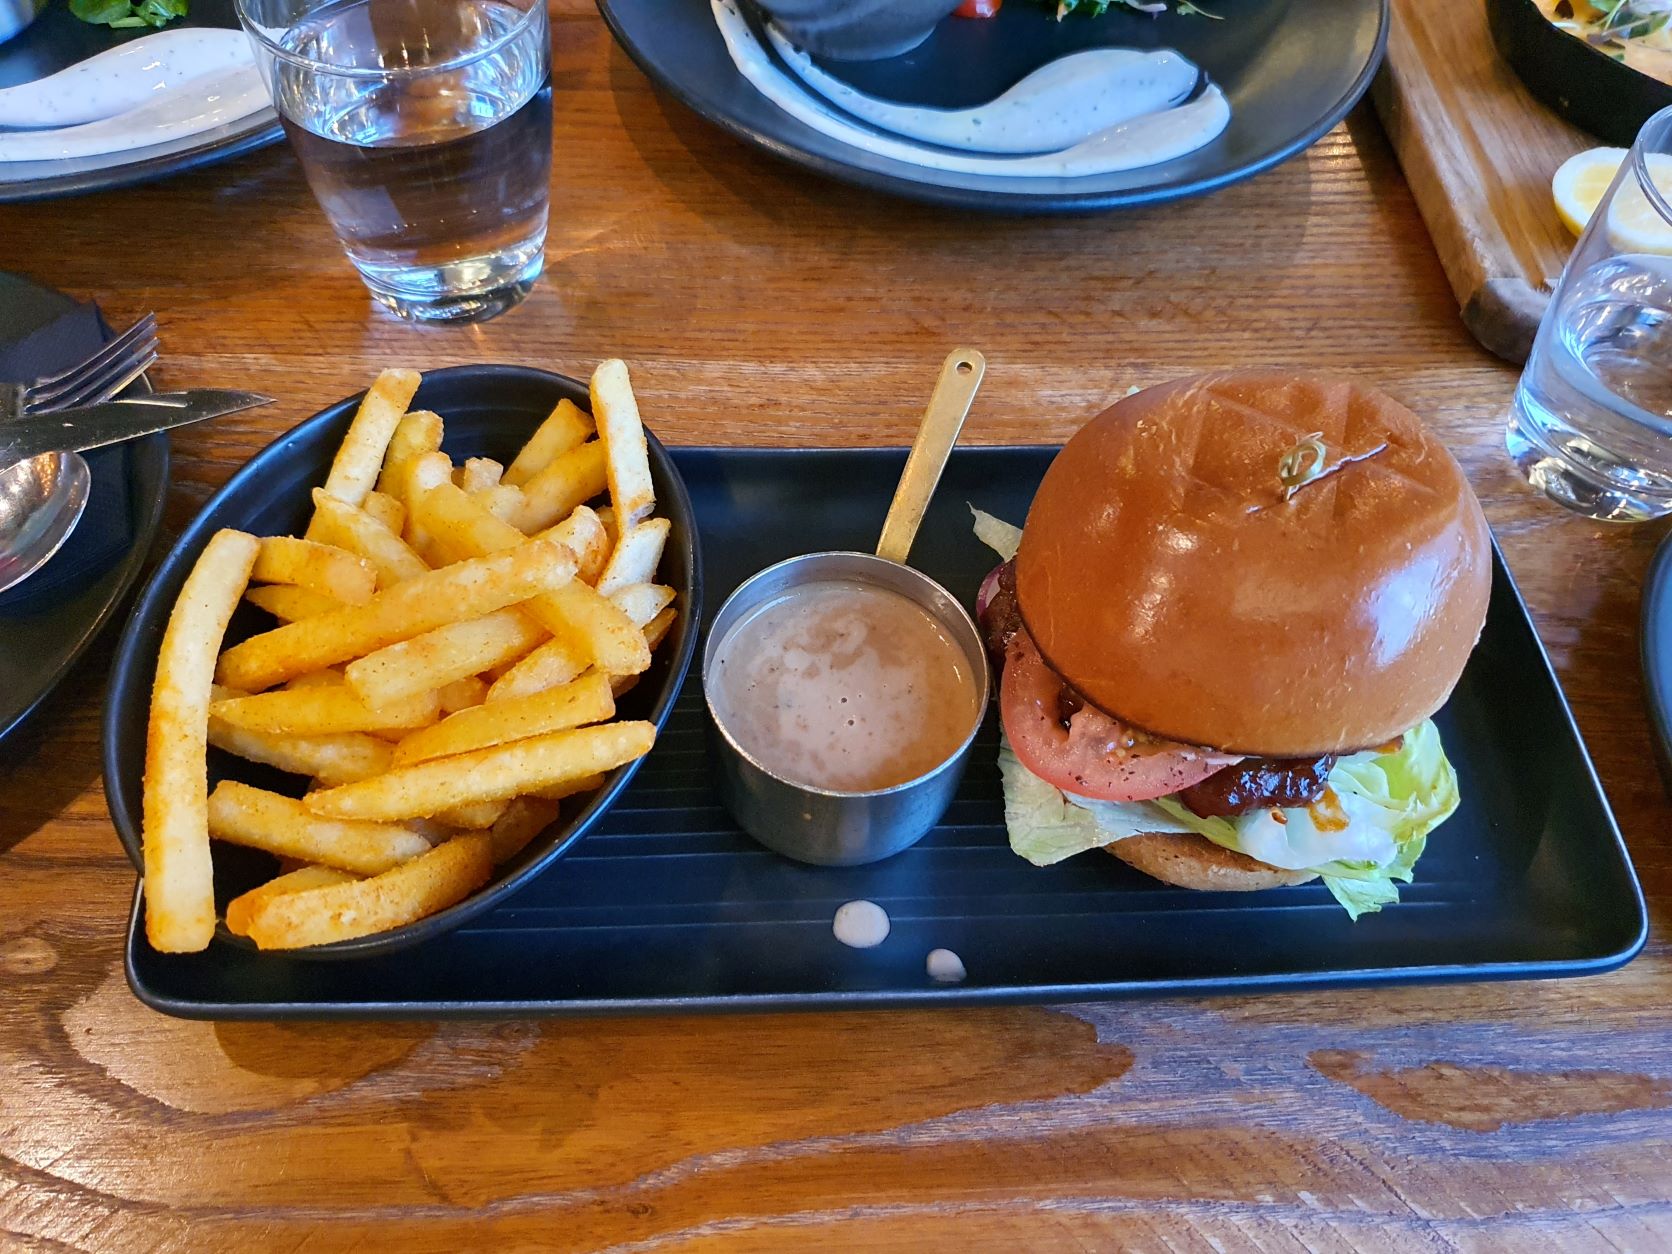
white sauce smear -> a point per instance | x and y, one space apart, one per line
1093 112
861 924
945 967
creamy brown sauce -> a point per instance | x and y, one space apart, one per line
844 685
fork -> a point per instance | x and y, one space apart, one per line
99 377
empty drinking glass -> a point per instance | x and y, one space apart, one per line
1591 423
425 131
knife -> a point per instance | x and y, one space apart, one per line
93 426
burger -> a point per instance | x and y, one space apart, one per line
1235 606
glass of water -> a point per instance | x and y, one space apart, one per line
1591 423
425 131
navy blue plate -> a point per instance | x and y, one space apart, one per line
489 412
1290 68
665 906
48 621
58 39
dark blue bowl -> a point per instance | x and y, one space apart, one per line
489 412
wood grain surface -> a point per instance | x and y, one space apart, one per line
1479 153
758 305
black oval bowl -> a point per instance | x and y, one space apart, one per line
1580 83
489 411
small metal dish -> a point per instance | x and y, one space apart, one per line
828 827
821 825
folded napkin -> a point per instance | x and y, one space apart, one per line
29 349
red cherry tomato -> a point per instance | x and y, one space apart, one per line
1090 757
977 8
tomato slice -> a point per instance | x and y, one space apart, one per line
1091 756
977 8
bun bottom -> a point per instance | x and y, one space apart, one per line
1192 861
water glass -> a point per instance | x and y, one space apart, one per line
425 131
1591 423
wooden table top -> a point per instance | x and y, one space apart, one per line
758 305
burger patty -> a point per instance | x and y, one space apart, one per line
1252 784
1001 617
1258 784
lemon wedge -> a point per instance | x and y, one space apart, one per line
1635 225
1582 182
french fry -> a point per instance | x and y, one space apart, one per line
356 531
502 500
330 677
461 524
523 820
654 632
642 602
466 590
355 468
553 663
637 555
479 474
422 473
596 632
256 819
565 429
241 909
288 603
179 877
324 711
462 694
494 774
587 700
570 788
595 628
570 480
385 509
331 760
616 411
318 567
657 628
418 432
606 517
586 538
472 816
436 658
431 882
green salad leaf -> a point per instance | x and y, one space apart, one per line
1002 537
126 14
1391 801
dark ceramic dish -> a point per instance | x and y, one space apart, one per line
1581 83
1291 70
57 40
48 621
857 30
489 411
666 907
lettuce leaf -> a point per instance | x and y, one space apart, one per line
1361 896
996 534
1392 802
1047 825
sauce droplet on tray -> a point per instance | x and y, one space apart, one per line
861 924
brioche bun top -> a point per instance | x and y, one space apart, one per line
1166 577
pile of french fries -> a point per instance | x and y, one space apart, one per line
451 643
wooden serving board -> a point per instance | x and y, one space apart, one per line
1479 153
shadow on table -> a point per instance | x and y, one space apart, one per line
51 760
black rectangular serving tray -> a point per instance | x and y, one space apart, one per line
666 907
